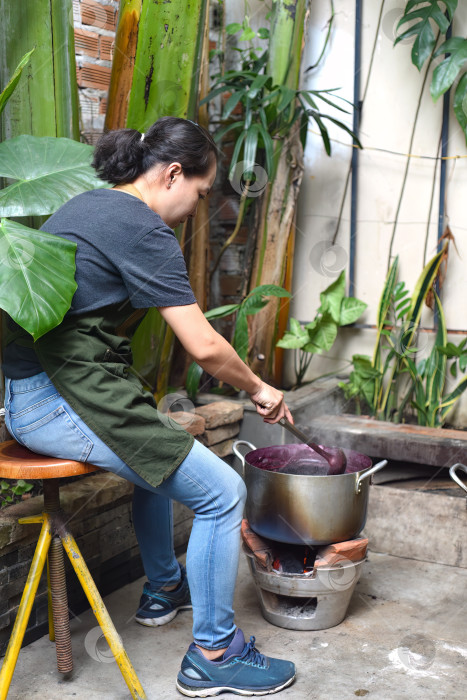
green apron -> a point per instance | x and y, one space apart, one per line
88 358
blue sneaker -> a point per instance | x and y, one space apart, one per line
241 670
159 607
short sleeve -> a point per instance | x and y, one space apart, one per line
154 272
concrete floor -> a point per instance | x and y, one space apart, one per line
405 636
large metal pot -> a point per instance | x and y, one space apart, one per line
305 509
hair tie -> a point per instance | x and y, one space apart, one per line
142 137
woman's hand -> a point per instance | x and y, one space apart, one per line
270 404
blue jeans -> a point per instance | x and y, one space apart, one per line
40 419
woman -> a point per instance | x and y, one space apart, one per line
73 395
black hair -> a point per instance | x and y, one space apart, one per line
122 155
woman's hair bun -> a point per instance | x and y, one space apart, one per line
118 156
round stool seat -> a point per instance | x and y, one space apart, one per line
17 462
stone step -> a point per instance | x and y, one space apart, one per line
438 447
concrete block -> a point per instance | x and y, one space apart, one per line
216 435
191 422
422 525
220 413
223 448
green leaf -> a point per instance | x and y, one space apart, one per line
270 290
233 28
249 152
460 104
231 103
14 80
252 304
351 309
263 33
236 152
297 337
257 85
323 132
450 400
240 341
293 342
325 333
221 311
331 298
425 38
48 172
445 74
436 364
247 35
37 276
423 285
295 327
268 147
286 97
193 379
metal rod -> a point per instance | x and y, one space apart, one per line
25 606
61 621
103 617
442 175
355 151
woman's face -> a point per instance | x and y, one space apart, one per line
175 197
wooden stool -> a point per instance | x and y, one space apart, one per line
17 462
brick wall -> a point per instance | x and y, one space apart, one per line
95 24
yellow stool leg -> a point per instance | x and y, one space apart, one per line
103 617
25 606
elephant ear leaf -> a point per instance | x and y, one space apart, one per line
48 171
36 277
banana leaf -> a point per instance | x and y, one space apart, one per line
37 276
161 43
48 172
126 38
45 103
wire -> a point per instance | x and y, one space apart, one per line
387 150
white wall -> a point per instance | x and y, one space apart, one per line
388 115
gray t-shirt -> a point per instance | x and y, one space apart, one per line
124 251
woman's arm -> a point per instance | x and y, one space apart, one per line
217 357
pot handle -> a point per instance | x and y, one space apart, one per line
367 473
453 474
238 454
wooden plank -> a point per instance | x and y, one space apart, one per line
409 443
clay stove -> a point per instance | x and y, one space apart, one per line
300 587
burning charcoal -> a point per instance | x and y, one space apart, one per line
288 562
309 559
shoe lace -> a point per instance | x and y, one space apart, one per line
252 655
